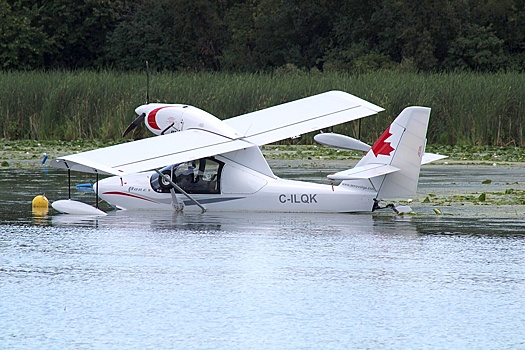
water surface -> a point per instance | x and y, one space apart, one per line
139 280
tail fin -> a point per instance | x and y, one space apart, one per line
392 165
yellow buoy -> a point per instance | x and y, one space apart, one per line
40 201
40 205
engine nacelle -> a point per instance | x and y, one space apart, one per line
163 118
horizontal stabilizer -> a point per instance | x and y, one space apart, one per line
364 172
431 157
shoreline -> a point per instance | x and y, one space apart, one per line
24 154
492 182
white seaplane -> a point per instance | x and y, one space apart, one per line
198 161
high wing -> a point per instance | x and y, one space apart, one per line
150 153
256 128
301 116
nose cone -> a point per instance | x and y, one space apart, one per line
143 109
147 108
153 116
108 188
108 184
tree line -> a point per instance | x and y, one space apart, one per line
263 35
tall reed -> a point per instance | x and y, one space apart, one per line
467 108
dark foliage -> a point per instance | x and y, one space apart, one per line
261 35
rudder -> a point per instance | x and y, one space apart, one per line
401 148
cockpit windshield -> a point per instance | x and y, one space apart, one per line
196 176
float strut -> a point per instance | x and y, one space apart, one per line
96 194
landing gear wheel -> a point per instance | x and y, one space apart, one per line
165 185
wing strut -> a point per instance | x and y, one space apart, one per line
177 187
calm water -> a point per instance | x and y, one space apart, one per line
263 281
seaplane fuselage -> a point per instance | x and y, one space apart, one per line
221 184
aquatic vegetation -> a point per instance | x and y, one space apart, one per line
82 104
32 149
508 196
308 152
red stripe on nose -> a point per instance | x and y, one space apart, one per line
152 118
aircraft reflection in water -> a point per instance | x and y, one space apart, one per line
201 162
233 222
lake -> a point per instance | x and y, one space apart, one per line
143 280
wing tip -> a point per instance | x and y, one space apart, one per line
362 102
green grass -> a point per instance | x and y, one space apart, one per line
467 108
32 151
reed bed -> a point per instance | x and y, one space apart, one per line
467 108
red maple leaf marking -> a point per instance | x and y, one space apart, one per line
382 146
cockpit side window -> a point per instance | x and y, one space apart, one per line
198 176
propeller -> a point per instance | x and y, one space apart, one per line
141 117
134 124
